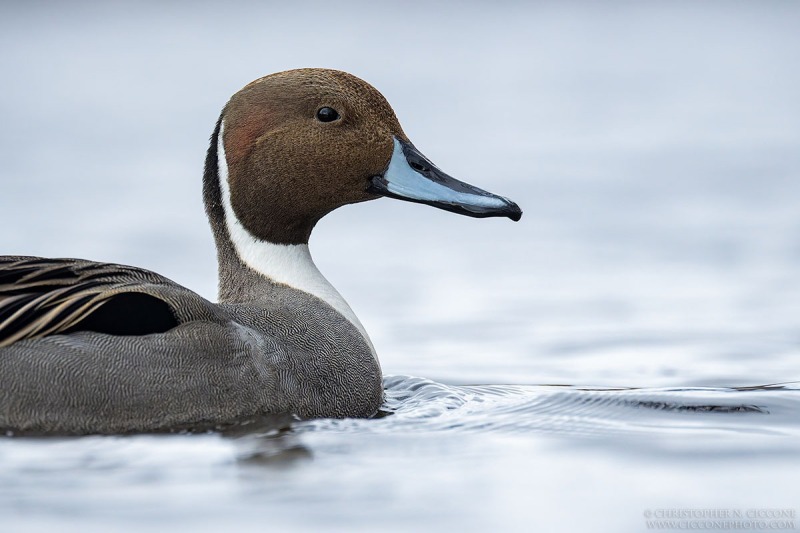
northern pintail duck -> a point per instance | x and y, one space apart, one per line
89 347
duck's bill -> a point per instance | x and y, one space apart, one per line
412 177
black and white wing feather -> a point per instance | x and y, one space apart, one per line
41 297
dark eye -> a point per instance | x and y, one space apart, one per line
327 114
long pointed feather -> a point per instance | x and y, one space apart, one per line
40 297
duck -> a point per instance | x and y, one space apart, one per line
98 348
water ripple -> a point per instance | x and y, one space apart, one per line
421 405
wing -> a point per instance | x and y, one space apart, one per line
41 297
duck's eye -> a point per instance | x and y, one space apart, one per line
327 114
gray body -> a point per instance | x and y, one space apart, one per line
288 353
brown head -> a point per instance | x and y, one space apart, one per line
304 163
300 143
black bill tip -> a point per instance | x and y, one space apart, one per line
514 212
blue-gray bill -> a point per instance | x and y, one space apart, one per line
412 177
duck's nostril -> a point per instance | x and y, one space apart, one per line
418 167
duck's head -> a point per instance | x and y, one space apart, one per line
298 144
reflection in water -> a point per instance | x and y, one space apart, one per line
274 451
266 441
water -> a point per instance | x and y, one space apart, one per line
632 346
484 457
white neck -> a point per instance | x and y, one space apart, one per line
287 264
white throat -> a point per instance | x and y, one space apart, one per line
287 264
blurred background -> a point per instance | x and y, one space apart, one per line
654 147
655 150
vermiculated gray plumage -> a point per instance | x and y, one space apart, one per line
290 353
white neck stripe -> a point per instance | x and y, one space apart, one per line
288 264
